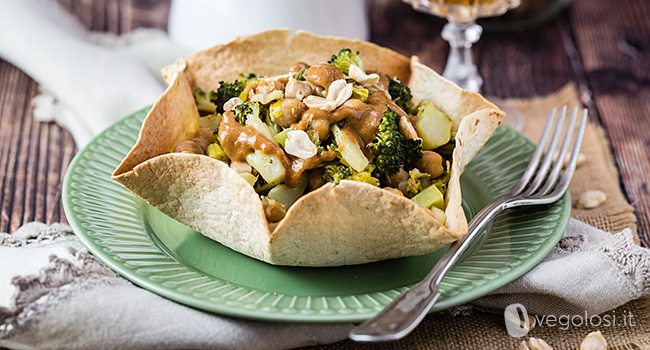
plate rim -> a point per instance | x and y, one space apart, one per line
226 310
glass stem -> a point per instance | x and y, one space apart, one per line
460 66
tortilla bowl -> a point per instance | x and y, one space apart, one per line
344 224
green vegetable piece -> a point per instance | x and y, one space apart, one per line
433 126
269 166
349 150
226 91
260 126
287 195
254 114
250 178
429 197
281 137
364 176
245 109
301 74
439 214
249 79
203 101
414 183
360 93
344 59
336 172
391 150
400 94
216 151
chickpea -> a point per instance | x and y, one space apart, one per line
296 67
322 127
400 176
273 210
323 74
316 179
203 138
431 163
188 147
383 78
291 111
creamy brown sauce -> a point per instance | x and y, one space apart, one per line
362 122
299 165
323 74
238 141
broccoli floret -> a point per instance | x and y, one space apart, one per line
257 109
217 152
337 172
360 93
204 101
365 176
391 149
417 182
226 91
400 94
344 59
242 111
249 79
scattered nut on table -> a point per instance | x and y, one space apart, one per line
514 319
538 344
591 199
594 341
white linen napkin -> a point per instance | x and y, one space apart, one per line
64 298
95 79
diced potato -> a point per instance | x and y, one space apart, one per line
350 152
433 126
439 214
429 197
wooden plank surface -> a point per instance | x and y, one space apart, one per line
613 39
604 46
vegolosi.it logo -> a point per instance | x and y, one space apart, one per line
519 322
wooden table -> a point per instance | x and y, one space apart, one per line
601 45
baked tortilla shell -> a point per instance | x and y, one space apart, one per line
350 223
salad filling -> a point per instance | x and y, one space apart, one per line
328 122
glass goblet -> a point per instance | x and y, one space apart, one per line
461 32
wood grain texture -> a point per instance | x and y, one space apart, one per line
613 39
604 46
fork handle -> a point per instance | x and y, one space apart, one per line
406 311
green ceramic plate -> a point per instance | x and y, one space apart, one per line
166 257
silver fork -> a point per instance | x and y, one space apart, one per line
536 187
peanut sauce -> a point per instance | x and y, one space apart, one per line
238 141
323 74
363 119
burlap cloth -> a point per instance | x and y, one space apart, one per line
482 330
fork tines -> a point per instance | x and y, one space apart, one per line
544 184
